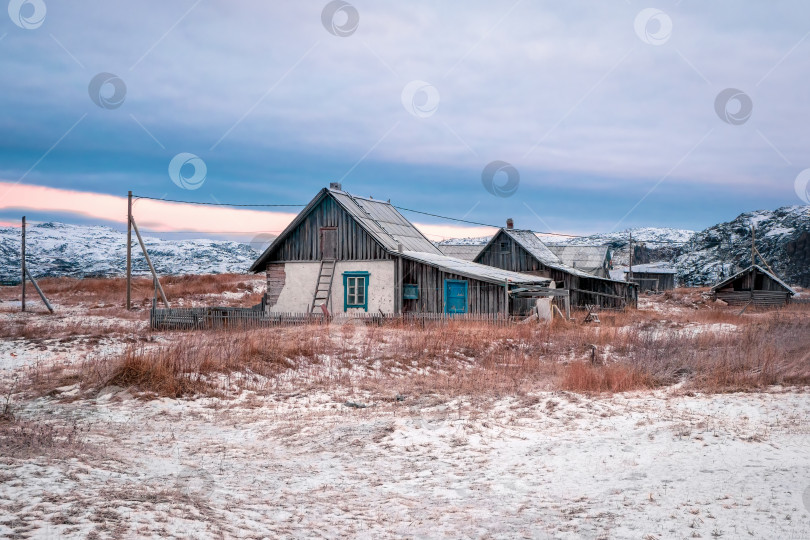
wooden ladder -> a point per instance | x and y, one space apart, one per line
323 289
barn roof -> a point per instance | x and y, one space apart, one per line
467 252
588 258
759 268
378 218
473 270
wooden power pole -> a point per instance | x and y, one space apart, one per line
630 272
22 263
753 246
129 251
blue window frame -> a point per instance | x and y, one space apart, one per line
355 290
455 296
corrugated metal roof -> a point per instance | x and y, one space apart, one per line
474 270
588 258
758 267
384 223
465 252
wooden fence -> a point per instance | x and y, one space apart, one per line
218 318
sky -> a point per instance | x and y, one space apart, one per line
573 117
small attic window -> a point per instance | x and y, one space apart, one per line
504 247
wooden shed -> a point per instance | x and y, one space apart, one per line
652 277
522 251
357 254
756 286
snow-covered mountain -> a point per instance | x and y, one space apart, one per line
57 249
703 258
782 239
652 236
470 241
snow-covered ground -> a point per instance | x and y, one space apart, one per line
289 463
547 465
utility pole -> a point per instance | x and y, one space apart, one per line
22 263
630 273
129 251
753 246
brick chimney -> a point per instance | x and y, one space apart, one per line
510 224
335 186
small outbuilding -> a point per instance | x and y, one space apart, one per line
652 277
756 286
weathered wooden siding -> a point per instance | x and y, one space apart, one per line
482 297
759 298
666 282
276 278
766 291
505 253
304 242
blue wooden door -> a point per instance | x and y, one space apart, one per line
455 296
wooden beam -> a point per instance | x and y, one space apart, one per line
129 250
149 262
606 295
41 294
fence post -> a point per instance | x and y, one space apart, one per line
22 263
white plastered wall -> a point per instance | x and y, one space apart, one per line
301 279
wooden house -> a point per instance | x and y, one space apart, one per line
522 251
356 254
652 277
753 285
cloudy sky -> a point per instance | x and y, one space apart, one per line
602 114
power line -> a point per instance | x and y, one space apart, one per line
448 218
218 204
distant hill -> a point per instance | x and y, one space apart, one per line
701 258
57 249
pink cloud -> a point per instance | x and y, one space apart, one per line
165 216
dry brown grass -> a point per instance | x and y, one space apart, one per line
708 348
111 292
583 377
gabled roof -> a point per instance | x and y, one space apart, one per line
529 241
587 258
467 252
378 218
473 270
535 247
758 267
